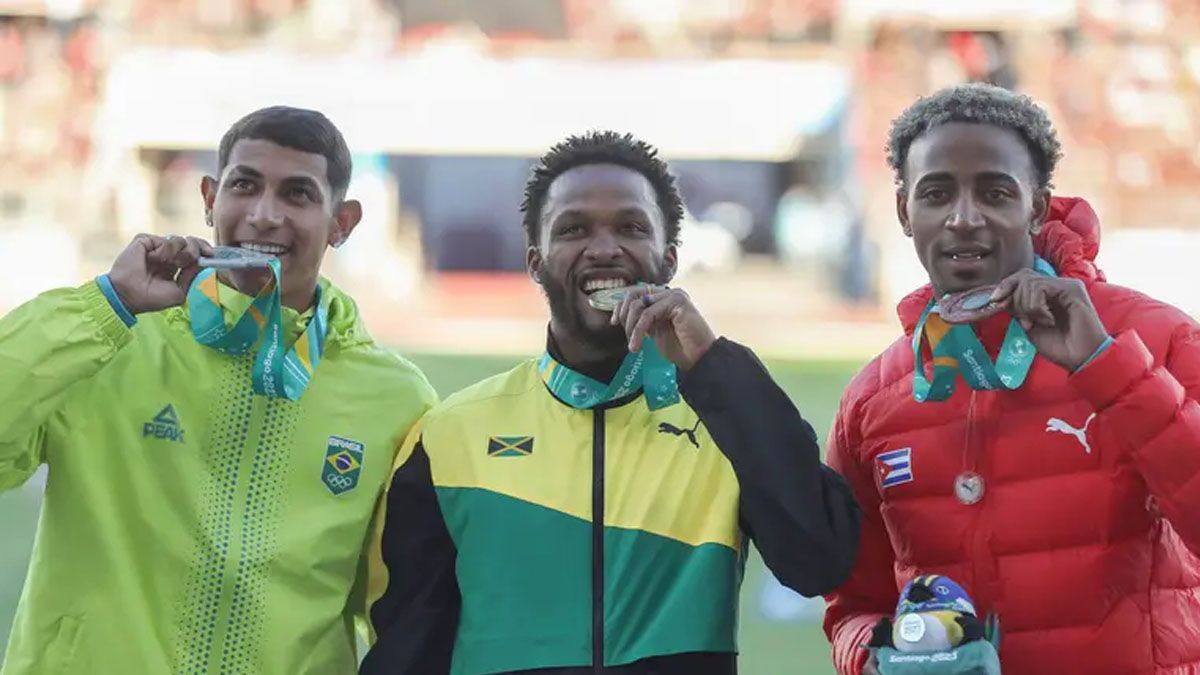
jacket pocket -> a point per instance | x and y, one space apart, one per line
60 650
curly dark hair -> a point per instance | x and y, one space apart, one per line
980 104
602 147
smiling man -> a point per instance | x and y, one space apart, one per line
1047 457
590 510
207 504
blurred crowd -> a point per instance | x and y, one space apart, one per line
1121 78
1121 81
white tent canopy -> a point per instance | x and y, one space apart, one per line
454 103
964 14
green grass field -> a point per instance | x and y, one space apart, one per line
768 647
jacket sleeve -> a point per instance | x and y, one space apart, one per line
799 513
421 396
46 346
415 599
1152 413
870 592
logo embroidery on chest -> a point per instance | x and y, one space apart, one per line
510 446
668 428
895 467
342 465
1055 425
164 426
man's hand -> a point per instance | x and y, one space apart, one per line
1056 313
154 273
669 317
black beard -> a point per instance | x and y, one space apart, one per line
608 340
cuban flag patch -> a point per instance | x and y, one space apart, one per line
895 467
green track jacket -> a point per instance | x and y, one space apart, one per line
190 526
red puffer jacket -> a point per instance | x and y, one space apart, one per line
1086 539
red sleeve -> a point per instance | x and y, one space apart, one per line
870 592
1152 413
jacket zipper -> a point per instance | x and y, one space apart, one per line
983 563
598 541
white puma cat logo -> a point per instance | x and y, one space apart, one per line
1055 424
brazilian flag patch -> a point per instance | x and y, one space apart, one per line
510 446
342 466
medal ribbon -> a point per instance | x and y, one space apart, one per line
278 372
957 350
647 370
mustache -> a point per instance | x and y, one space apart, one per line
565 309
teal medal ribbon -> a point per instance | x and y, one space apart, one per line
278 372
647 370
957 350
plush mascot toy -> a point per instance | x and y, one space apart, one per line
936 632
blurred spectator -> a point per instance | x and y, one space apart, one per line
1122 82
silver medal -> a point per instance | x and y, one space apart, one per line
231 257
969 487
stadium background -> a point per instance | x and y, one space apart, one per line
773 113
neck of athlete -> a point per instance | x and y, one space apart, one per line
298 296
600 364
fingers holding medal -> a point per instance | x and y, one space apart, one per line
666 315
153 271
644 311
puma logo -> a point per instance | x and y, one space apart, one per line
668 428
1059 426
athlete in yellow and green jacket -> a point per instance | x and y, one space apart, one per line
588 513
191 525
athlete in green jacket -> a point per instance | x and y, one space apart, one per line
192 524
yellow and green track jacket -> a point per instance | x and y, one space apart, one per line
522 533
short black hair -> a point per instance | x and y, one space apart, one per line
602 147
978 103
298 129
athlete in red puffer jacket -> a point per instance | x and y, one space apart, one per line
1085 536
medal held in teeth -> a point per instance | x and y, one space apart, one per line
607 299
232 257
968 306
